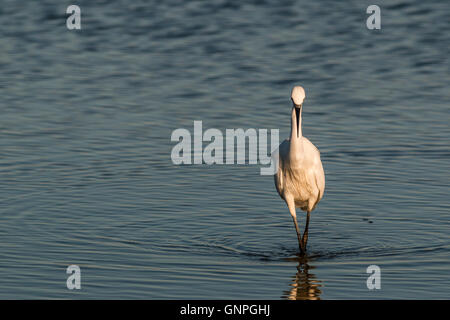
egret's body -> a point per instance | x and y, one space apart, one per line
300 179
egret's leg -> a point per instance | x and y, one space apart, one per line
305 233
291 206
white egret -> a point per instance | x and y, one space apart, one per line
300 179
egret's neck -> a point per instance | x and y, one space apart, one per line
296 141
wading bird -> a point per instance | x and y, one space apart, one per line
300 180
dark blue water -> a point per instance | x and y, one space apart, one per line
86 174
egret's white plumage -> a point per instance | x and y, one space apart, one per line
300 179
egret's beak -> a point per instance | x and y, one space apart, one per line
297 116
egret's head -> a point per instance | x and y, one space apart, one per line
297 96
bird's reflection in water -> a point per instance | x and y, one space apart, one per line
305 285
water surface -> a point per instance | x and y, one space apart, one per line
85 168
